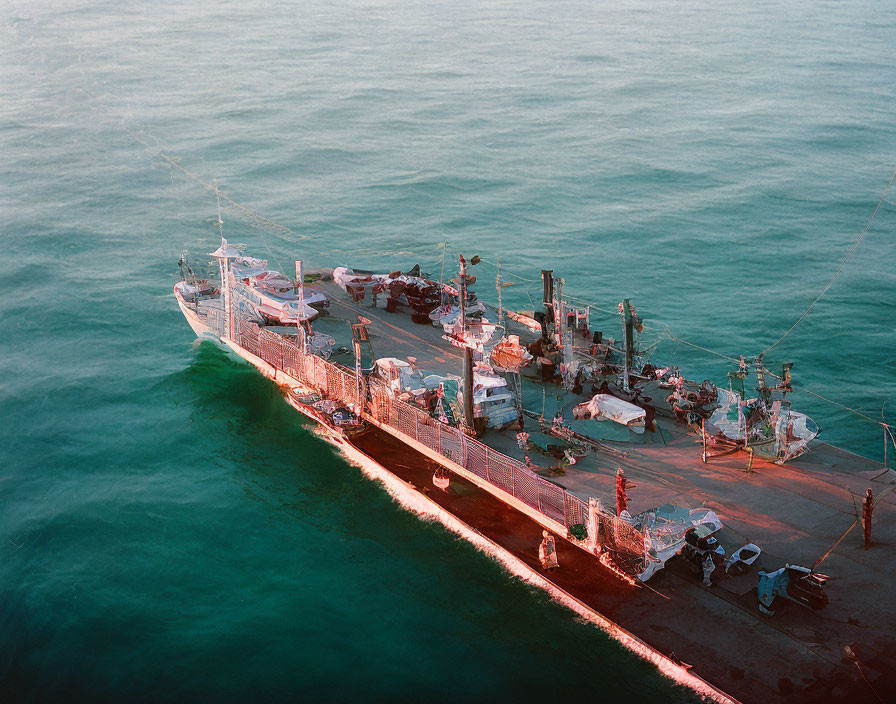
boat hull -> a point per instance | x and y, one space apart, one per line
203 330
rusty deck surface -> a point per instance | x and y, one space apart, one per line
753 658
796 513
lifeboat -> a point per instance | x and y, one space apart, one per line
280 300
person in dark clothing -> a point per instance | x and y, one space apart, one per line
867 510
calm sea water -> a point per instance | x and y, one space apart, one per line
168 527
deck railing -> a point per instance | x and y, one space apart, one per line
496 468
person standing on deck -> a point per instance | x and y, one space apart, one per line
867 510
547 552
622 486
707 565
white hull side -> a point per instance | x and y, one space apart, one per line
203 331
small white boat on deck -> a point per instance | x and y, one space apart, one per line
280 299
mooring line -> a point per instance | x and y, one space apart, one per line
261 222
849 254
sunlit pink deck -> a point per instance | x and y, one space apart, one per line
796 513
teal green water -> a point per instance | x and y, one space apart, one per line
169 528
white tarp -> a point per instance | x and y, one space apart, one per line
607 407
729 417
289 312
793 430
664 528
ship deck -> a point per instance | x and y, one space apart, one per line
796 513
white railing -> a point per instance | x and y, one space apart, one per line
496 468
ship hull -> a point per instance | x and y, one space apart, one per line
202 330
689 620
413 493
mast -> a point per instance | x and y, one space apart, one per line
300 280
359 335
561 323
224 263
442 276
300 287
468 350
547 299
629 339
498 287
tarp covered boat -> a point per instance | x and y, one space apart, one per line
607 407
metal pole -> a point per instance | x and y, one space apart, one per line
703 431
225 269
358 380
358 333
498 286
547 297
442 276
468 388
463 293
468 352
628 338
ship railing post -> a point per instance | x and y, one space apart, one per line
592 523
487 473
565 512
885 445
703 433
416 428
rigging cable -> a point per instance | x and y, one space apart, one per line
665 331
261 222
849 254
669 334
845 408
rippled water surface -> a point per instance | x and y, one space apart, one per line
169 529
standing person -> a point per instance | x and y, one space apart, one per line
547 552
708 565
867 509
622 486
